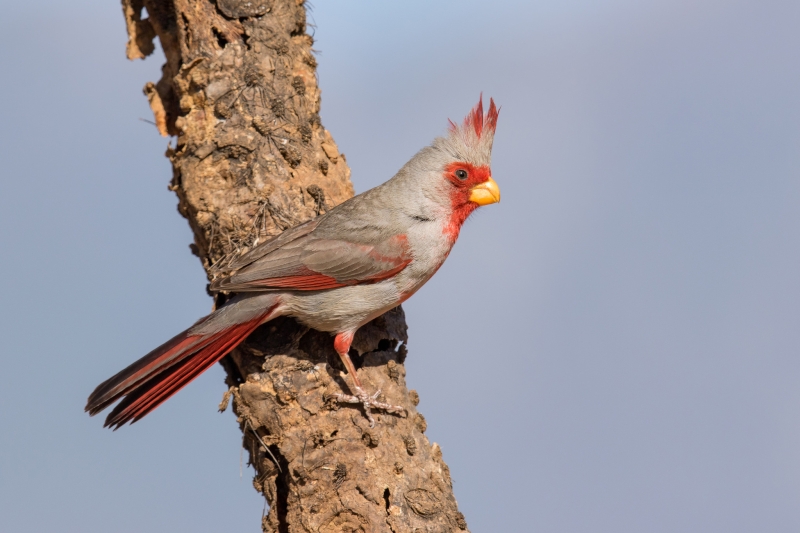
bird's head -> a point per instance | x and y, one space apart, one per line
464 158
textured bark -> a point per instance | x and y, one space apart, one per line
239 91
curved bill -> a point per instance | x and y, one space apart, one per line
485 193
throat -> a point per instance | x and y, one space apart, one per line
457 218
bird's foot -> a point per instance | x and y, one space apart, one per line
368 402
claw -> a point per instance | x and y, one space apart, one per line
368 402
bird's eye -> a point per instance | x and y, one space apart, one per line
461 174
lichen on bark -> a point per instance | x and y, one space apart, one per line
239 91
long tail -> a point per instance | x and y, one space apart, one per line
151 380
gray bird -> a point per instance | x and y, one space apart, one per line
334 273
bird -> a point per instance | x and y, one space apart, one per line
333 273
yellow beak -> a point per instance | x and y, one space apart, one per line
485 193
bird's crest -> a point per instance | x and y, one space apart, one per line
478 122
476 133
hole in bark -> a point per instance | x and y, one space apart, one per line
384 345
186 30
386 495
221 40
358 361
234 376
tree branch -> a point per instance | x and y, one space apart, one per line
239 91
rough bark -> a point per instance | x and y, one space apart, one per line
239 91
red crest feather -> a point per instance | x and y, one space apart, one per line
478 121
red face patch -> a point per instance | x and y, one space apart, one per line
463 176
466 175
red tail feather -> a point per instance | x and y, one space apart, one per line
149 382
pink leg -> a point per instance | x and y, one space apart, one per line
342 345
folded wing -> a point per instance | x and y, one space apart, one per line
308 262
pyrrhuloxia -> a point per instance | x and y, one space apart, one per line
334 273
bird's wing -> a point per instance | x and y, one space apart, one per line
271 245
314 262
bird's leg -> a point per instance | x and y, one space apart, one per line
342 345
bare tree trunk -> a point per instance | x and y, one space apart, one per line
239 91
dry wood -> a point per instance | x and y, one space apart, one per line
239 91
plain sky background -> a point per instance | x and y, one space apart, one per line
613 348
